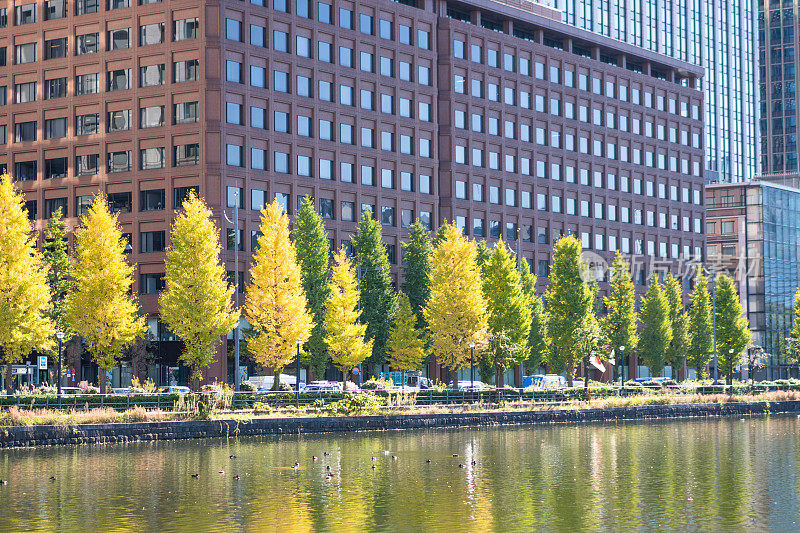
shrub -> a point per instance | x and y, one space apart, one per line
246 386
357 404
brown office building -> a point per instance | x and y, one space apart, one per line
489 113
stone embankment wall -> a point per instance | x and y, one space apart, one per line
17 436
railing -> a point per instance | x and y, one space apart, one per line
412 398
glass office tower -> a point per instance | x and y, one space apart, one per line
777 32
720 36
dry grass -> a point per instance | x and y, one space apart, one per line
15 416
104 415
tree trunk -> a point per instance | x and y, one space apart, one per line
586 372
9 379
103 380
570 372
344 380
276 379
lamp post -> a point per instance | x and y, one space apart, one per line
299 342
359 270
472 369
236 375
622 366
714 318
60 337
730 360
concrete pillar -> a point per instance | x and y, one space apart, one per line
475 17
508 26
218 369
632 366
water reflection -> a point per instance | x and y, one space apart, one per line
719 475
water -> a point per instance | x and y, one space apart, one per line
715 475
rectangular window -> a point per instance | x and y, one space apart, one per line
152 200
151 283
185 29
25 53
51 205
25 171
55 168
86 84
186 113
85 7
187 70
151 117
120 202
234 155
87 44
119 80
55 88
119 39
151 158
25 14
181 194
187 155
25 92
87 124
119 120
151 75
151 34
25 131
119 161
87 165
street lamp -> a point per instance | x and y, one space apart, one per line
359 270
60 337
236 376
299 342
730 360
714 318
622 366
472 369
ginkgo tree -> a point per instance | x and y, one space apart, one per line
275 302
102 309
344 334
456 310
25 324
196 302
405 348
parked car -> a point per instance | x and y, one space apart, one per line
70 390
119 390
322 386
470 386
175 389
544 381
659 379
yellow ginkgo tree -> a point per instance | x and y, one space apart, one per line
25 325
406 347
102 308
275 303
196 303
344 334
456 311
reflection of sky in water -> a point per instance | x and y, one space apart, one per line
698 475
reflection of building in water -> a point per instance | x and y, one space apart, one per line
753 232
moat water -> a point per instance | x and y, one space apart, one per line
684 475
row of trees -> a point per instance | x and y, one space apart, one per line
458 298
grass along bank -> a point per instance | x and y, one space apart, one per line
363 404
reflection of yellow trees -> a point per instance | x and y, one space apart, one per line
706 475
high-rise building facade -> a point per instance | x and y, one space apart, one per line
494 115
718 35
778 34
753 235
